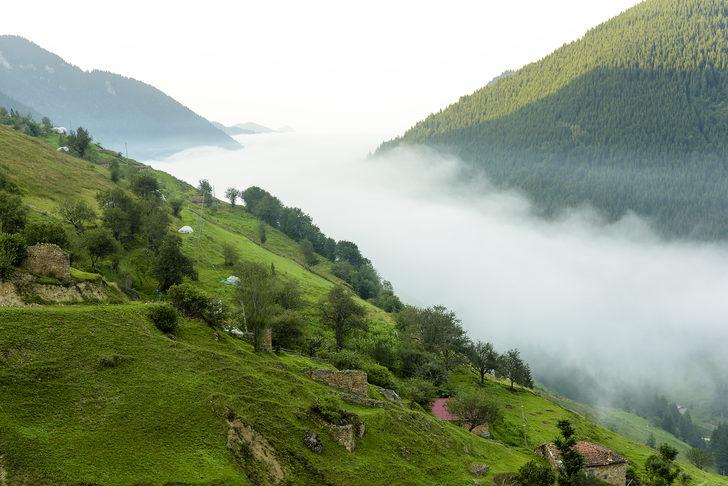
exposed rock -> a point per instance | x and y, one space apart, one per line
366 402
244 441
313 442
49 260
353 381
390 395
9 296
479 469
27 289
345 435
267 341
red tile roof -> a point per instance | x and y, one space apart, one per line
439 410
595 455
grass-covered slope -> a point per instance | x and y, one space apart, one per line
158 415
631 116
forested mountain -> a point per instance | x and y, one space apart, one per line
10 104
115 108
633 116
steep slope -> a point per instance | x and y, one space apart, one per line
10 104
115 108
96 395
630 117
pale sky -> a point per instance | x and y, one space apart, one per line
317 65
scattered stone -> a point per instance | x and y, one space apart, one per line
353 381
390 395
479 469
313 442
49 260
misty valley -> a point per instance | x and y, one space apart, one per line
526 287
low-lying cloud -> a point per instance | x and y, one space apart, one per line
613 299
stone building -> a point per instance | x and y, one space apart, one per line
599 461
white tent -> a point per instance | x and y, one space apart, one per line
185 230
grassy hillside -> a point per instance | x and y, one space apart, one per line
97 395
630 117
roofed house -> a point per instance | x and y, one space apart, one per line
599 462
439 410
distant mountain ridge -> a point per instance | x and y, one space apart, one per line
116 109
250 128
633 116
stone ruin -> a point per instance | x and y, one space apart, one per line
352 381
49 260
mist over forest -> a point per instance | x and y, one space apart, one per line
597 307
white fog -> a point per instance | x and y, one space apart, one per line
614 299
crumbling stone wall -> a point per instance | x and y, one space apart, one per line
353 381
49 260
615 474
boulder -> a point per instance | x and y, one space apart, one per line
311 440
353 381
479 469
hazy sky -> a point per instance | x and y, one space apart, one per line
316 65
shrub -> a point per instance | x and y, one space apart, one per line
505 479
13 213
379 375
176 206
112 360
536 473
165 317
214 312
287 330
419 391
347 360
384 353
12 253
188 300
434 372
230 255
45 232
411 360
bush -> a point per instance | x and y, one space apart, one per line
419 391
379 375
434 372
287 330
347 360
45 232
385 353
230 255
536 473
12 253
176 206
411 360
165 317
214 312
13 213
188 300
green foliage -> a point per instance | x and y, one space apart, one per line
205 189
256 297
188 299
115 171
287 329
419 391
7 185
308 253
232 195
572 463
12 253
511 366
719 447
100 244
475 408
346 359
172 265
145 185
13 213
661 469
230 255
176 206
164 317
380 375
340 312
77 213
483 359
630 117
700 458
536 473
262 236
437 330
45 232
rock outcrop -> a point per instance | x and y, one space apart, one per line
48 260
352 381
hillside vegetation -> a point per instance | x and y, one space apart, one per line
96 394
630 117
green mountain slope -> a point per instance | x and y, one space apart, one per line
630 117
115 108
95 394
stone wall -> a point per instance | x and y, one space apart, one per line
49 260
353 381
615 474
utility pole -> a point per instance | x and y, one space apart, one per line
126 150
525 423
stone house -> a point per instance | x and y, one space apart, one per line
599 461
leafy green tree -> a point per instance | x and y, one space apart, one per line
121 213
145 185
232 194
262 237
154 222
474 408
719 447
483 359
700 458
79 141
205 188
512 367
13 213
348 252
176 206
309 255
342 314
651 441
77 213
255 296
536 473
12 253
572 463
100 244
230 255
287 330
115 171
45 232
661 469
437 329
172 265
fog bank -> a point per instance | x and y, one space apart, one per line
610 298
